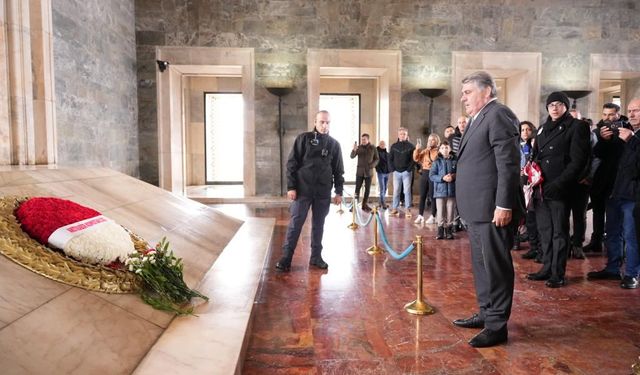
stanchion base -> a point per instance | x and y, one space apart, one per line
353 226
419 308
408 215
375 249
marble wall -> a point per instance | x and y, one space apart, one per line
95 84
566 33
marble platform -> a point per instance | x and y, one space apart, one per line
51 328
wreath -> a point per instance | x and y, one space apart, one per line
76 245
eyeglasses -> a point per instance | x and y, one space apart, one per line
555 105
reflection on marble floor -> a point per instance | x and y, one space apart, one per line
350 318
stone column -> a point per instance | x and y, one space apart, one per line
5 130
27 123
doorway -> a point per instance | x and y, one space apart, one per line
345 111
223 138
186 64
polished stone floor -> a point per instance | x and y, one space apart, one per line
350 318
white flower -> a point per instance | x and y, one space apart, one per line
103 245
139 271
153 261
131 267
144 259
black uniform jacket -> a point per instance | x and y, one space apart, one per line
314 165
562 149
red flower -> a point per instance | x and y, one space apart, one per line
40 217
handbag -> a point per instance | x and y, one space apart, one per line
534 178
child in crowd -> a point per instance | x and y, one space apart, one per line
443 175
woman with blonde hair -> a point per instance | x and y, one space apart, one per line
425 157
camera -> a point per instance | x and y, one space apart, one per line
614 126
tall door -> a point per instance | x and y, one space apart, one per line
345 126
224 133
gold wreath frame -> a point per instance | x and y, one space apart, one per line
16 245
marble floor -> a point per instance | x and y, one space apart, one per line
350 318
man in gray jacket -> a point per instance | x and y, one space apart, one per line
367 160
489 200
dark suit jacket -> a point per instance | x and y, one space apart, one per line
562 149
489 165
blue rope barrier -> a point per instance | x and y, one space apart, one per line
359 220
385 242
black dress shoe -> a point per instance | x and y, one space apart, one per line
537 276
629 282
319 263
556 282
473 322
487 338
531 254
593 247
603 275
283 266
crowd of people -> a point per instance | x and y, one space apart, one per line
503 180
584 166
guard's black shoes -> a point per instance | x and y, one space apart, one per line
319 263
531 254
629 282
538 276
283 266
603 275
556 282
473 322
487 338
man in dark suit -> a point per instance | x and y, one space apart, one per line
490 201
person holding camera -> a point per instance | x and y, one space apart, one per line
367 160
313 167
425 157
382 171
608 153
620 223
562 151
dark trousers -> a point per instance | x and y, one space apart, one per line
431 199
492 271
532 230
598 208
552 217
578 201
367 187
299 210
424 191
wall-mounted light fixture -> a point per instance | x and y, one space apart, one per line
432 94
162 65
575 95
280 92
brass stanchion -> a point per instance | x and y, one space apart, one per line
375 249
636 367
408 214
419 307
340 210
354 207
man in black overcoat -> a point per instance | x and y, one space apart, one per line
562 151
